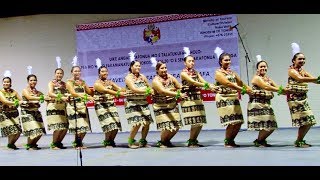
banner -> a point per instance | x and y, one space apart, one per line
162 37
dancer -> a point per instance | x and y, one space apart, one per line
227 101
137 110
31 117
260 112
77 111
106 110
192 107
301 114
167 91
9 117
56 108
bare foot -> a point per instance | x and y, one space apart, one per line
55 148
133 146
144 145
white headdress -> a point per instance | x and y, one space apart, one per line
7 73
295 48
259 58
29 69
98 63
75 61
218 51
186 51
153 61
58 59
131 55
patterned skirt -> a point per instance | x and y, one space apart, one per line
10 123
56 116
108 115
193 109
300 110
32 123
80 116
261 115
167 115
229 109
137 112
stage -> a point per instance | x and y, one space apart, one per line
283 153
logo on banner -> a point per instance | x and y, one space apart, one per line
151 34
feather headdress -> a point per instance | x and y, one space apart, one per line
218 51
7 73
75 61
186 51
259 58
29 70
153 61
58 59
98 63
131 55
295 48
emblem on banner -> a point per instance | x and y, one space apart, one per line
151 34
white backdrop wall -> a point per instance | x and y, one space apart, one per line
36 40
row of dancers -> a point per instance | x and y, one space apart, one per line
66 105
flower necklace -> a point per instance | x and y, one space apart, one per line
7 91
265 78
105 82
33 91
78 82
58 83
165 80
299 70
136 77
226 71
190 71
